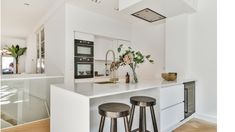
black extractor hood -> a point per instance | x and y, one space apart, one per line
148 15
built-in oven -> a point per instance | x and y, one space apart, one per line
189 98
83 48
83 67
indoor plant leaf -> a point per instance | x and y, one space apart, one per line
148 56
21 51
151 61
16 52
12 51
120 48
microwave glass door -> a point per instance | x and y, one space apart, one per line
84 50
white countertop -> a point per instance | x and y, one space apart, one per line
15 77
93 90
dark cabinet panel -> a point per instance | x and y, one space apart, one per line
189 98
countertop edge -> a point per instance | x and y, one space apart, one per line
157 85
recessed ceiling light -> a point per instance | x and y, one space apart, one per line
26 4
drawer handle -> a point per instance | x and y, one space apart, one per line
186 100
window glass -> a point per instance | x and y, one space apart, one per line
8 65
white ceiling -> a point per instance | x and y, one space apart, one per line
19 20
105 7
108 8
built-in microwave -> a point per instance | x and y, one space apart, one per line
83 48
83 67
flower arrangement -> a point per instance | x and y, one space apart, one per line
133 59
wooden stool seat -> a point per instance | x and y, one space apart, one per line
142 101
114 111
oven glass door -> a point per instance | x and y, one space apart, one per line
84 70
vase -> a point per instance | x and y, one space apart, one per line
135 78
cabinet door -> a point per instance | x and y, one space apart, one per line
171 95
171 116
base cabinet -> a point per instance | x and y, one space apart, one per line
171 107
171 117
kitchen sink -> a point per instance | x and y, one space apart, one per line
104 82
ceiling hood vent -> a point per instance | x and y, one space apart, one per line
148 15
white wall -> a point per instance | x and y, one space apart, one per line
78 19
8 42
31 55
202 51
150 39
55 43
54 27
176 52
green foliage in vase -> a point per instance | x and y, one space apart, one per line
131 57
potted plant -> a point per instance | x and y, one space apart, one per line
133 59
16 52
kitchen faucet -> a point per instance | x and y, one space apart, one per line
113 77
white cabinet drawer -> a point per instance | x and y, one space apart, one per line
171 116
171 95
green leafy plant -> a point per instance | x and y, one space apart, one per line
16 52
133 59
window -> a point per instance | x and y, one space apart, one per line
7 65
40 51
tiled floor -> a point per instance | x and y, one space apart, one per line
193 125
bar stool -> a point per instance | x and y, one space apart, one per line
143 102
114 111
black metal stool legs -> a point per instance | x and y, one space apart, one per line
153 119
143 102
131 116
102 120
113 127
127 128
142 119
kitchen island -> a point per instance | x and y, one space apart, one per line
75 109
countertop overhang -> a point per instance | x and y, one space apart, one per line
93 90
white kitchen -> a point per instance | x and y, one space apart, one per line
118 65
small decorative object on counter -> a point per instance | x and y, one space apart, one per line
132 58
171 76
127 78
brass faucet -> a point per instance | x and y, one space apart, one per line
113 78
